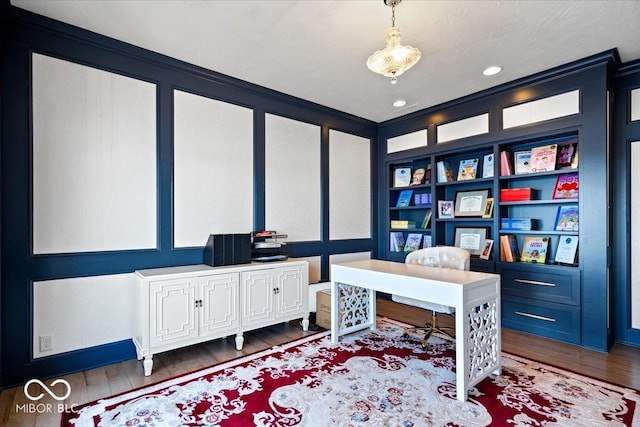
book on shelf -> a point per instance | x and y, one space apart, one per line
567 250
467 169
413 242
427 175
509 245
487 166
418 176
402 223
522 162
567 218
567 157
426 241
534 249
426 220
422 199
516 194
506 167
567 186
518 224
402 176
543 158
404 199
396 241
445 173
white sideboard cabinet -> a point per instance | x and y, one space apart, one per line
180 306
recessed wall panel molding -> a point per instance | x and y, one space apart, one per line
94 159
213 169
476 125
635 234
349 186
82 312
548 108
407 142
635 104
292 178
355 256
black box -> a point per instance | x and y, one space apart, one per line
227 249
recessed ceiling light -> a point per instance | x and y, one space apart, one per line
490 71
400 103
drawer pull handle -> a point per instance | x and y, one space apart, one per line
533 282
535 316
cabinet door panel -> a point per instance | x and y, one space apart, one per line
257 298
172 311
290 292
219 308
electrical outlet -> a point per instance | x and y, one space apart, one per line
46 342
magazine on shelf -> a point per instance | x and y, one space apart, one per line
567 218
467 169
522 162
567 155
401 177
543 158
487 166
534 249
404 199
445 173
418 176
396 241
413 242
567 250
506 167
426 241
567 186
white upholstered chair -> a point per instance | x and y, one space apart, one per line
442 257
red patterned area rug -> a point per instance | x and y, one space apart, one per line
369 378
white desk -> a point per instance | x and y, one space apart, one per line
475 296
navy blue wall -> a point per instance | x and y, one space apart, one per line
624 132
24 33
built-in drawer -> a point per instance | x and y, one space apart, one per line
557 321
545 283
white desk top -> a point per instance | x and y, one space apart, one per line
418 271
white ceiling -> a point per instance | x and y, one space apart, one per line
316 49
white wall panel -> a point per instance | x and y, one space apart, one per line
635 234
213 169
464 128
94 159
292 178
635 104
407 142
83 312
349 186
548 108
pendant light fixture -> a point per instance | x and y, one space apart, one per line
394 59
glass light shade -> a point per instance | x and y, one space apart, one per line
394 59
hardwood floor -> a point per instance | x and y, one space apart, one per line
621 365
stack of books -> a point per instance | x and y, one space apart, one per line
515 194
402 223
520 224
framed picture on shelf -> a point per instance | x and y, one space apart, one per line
470 238
471 203
567 157
488 208
401 176
486 249
445 209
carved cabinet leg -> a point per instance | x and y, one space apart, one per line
148 365
239 341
